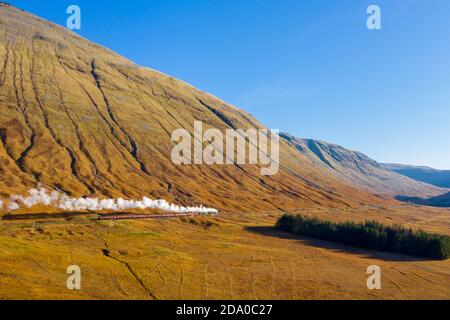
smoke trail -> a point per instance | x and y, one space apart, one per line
63 202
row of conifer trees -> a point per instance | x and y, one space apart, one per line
370 235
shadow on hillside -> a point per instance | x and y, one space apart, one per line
442 201
335 247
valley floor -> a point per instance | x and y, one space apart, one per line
232 256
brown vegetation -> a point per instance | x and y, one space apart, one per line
78 118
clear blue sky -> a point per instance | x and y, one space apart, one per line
308 67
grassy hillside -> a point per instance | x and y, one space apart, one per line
77 117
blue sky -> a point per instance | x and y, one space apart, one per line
308 67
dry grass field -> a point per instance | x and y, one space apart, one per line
231 256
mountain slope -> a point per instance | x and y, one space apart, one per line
439 178
442 201
77 117
357 169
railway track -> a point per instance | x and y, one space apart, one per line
143 216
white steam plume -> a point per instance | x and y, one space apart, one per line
63 202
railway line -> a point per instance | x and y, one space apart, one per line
116 217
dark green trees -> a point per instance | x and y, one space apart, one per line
370 235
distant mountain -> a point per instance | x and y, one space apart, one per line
358 169
439 178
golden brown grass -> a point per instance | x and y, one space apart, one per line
235 256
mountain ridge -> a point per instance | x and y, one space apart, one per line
81 119
439 178
358 169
